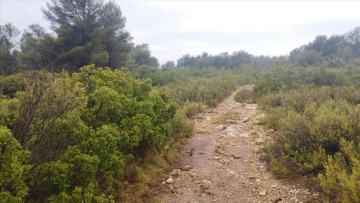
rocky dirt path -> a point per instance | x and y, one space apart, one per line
222 161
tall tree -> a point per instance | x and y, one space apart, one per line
37 49
88 31
168 65
141 55
8 53
353 38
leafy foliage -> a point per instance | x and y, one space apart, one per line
87 32
317 133
223 60
8 53
81 132
12 171
193 108
244 95
287 77
333 51
38 49
341 177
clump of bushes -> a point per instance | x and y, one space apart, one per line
9 85
317 134
192 108
97 134
74 138
244 95
209 91
12 170
280 78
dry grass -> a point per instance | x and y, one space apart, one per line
227 116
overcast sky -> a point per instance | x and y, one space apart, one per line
175 27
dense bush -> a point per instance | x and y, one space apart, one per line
87 136
80 132
12 170
244 95
341 177
208 91
287 77
180 126
207 86
11 84
193 108
317 134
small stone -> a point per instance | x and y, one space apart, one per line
207 182
232 173
219 127
216 157
204 185
260 141
163 182
274 186
169 180
245 119
231 131
278 200
245 135
231 121
172 188
175 172
192 174
271 131
262 193
236 156
187 168
225 161
250 107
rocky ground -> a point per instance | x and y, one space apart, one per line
222 162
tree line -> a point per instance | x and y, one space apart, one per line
333 51
93 32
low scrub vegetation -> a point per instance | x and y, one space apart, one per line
97 135
77 138
244 95
317 133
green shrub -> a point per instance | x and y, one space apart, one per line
82 194
8 109
12 170
81 132
192 108
223 118
244 95
317 134
85 131
281 78
180 126
340 179
9 85
209 90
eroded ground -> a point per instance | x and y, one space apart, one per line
222 162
